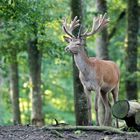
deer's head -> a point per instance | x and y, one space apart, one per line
76 42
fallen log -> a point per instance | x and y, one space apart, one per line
137 118
128 111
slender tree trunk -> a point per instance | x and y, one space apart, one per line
102 50
81 107
14 88
34 57
1 77
132 45
102 39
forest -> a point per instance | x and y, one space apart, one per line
39 81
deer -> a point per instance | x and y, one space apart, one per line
100 76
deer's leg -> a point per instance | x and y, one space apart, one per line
107 119
96 100
89 97
115 92
101 110
89 100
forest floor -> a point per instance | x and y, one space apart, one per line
20 132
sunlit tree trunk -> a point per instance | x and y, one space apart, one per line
102 39
14 87
102 50
132 48
34 58
80 100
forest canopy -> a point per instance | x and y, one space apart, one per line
35 67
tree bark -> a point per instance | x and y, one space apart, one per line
128 111
137 118
123 108
34 58
102 50
102 39
80 100
14 87
132 45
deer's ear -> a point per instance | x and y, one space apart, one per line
67 39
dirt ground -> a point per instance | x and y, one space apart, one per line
20 132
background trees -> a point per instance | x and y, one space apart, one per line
37 25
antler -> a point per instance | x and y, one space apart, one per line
98 24
68 29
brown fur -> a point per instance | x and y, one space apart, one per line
96 75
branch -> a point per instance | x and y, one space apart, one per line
85 128
103 129
114 29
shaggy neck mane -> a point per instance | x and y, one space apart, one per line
82 61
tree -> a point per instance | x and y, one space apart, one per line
132 49
102 39
39 19
102 49
16 39
30 21
34 58
80 100
10 45
14 87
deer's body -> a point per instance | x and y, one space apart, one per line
101 76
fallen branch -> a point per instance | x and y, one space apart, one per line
85 128
104 129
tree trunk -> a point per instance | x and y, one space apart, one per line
1 77
81 107
132 44
34 58
102 39
14 88
102 50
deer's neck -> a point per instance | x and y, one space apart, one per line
82 61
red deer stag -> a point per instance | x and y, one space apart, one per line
101 76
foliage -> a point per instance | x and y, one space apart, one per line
24 20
